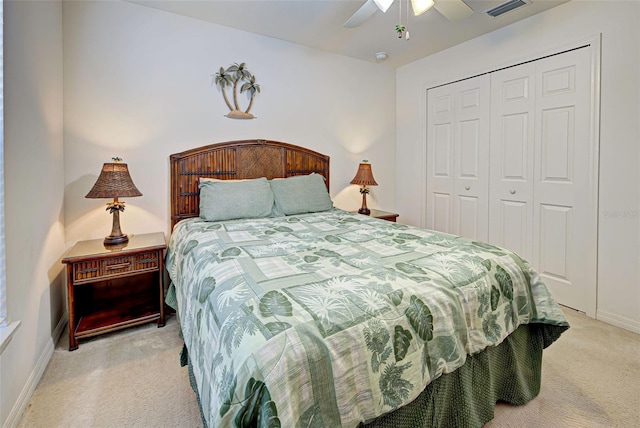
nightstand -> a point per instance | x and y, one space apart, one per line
384 215
114 287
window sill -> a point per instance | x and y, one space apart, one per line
6 333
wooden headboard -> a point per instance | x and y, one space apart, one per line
236 160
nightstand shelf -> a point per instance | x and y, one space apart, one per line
115 304
111 288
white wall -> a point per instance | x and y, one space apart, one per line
137 84
34 191
619 183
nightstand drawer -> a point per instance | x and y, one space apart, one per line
114 266
146 261
84 271
94 269
117 265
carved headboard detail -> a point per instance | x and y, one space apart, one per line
236 160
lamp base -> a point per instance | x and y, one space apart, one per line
116 240
363 208
116 237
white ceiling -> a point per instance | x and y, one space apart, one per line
319 24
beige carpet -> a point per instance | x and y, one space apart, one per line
591 378
130 378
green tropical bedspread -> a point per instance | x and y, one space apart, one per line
333 318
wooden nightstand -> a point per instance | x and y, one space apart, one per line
384 215
111 288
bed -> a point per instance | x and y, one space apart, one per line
301 314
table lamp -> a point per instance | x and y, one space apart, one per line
114 182
364 178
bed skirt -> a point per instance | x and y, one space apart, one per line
510 372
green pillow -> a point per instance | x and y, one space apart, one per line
229 200
301 194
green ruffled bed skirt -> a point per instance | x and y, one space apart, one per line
509 372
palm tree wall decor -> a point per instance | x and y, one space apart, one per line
239 78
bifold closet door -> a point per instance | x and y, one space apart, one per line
512 158
565 204
458 158
542 201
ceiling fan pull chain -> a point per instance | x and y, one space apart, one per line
400 29
406 36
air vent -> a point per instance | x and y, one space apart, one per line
505 7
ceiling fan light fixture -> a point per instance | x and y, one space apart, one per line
421 6
383 5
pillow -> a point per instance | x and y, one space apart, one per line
229 200
301 194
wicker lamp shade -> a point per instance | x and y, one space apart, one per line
364 178
114 182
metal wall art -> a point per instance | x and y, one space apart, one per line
241 79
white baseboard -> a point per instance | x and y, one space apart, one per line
618 321
60 329
21 404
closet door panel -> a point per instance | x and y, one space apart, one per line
555 242
440 204
512 153
467 188
471 165
458 158
440 152
514 144
469 217
565 244
556 159
515 218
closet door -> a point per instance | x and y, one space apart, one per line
512 158
565 225
458 158
539 168
440 152
542 199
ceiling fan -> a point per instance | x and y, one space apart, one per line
453 10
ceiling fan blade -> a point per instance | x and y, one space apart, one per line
453 10
362 14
